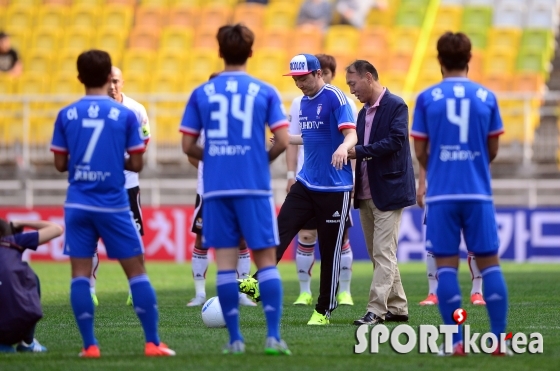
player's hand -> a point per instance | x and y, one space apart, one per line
352 153
340 157
291 182
420 194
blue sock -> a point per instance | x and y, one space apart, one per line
82 306
449 298
228 293
496 297
145 306
270 287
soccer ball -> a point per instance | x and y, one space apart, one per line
212 315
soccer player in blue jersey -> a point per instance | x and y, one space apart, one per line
459 121
233 110
90 137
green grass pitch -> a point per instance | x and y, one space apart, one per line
534 307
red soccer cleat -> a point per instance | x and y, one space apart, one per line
160 350
91 352
430 300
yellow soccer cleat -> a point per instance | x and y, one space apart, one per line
318 319
304 298
344 298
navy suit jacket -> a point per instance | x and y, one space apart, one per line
387 153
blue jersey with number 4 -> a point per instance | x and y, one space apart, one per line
233 109
457 116
95 132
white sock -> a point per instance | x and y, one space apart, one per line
432 273
244 264
476 276
305 258
93 277
199 268
346 259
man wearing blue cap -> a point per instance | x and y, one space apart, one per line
323 186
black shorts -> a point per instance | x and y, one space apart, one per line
197 217
135 207
312 223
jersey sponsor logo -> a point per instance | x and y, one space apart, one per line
228 150
310 124
454 153
332 221
84 174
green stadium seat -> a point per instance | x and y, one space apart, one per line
411 15
538 39
477 17
532 61
478 36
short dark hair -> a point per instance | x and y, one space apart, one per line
327 61
6 228
94 67
454 50
236 43
362 67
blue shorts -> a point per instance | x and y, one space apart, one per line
117 229
228 219
477 220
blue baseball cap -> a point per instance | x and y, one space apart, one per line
303 64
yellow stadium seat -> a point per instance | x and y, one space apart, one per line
499 62
272 79
121 2
151 16
280 16
19 16
203 62
38 61
167 130
66 83
155 2
176 38
66 62
306 39
111 40
53 16
88 3
46 39
374 38
404 39
250 14
144 38
20 38
79 39
32 83
377 57
58 2
183 16
164 82
84 16
506 39
289 88
272 61
381 17
342 39
192 3
448 18
223 3
392 81
41 124
343 60
117 16
205 37
191 81
138 61
7 84
135 83
430 67
214 16
424 81
171 61
279 38
30 3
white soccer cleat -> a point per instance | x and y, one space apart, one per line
245 301
197 301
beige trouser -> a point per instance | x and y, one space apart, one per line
381 232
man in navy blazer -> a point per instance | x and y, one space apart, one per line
384 185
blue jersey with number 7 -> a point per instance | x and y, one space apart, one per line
457 116
95 132
233 109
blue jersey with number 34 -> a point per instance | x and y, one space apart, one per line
95 132
233 109
457 116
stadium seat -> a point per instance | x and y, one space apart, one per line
38 61
111 40
342 39
506 39
58 2
509 14
79 39
280 16
497 83
176 38
20 38
381 17
135 83
52 16
476 65
222 3
121 2
182 16
288 88
477 35
279 38
404 38
250 14
32 83
88 3
205 37
499 62
377 57
171 61
528 82
190 81
65 61
66 83
272 61
373 39
191 3
393 81
117 17
83 16
542 16
307 39
138 61
214 16
430 67
448 18
150 16
532 61
203 62
167 132
538 39
399 61
46 39
144 38
410 15
19 17
477 17
30 3
163 82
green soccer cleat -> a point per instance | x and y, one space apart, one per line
344 298
129 300
94 299
237 347
275 347
250 287
318 319
304 298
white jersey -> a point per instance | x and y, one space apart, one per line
131 178
295 129
200 183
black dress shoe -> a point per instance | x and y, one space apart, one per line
390 317
369 319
